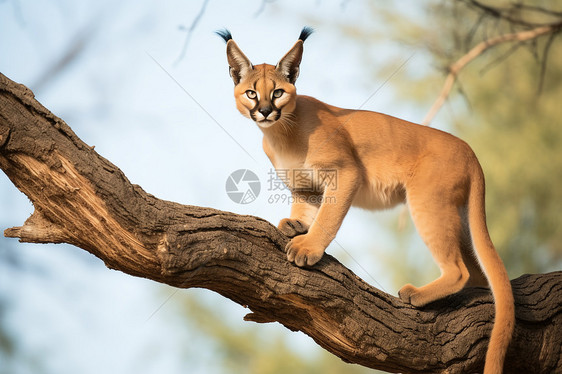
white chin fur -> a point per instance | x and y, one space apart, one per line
265 124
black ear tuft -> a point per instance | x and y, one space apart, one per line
225 34
305 33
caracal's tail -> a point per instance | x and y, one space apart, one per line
496 274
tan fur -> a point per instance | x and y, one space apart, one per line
381 161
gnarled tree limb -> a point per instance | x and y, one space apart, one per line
82 199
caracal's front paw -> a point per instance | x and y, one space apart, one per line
410 294
303 250
292 227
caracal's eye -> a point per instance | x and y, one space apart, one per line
278 93
251 94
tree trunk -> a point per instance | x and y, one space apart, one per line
82 199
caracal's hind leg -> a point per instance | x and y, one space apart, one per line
439 223
477 277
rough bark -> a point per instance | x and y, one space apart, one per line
82 199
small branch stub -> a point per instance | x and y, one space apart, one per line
37 229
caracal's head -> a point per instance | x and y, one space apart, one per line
264 93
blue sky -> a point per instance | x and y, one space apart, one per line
168 125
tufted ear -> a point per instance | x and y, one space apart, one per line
289 65
239 64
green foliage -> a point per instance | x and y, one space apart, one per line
514 129
252 348
517 135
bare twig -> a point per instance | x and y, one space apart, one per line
455 68
75 49
538 9
544 61
504 56
262 7
190 29
506 13
472 32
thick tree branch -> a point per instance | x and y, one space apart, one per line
455 68
82 199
